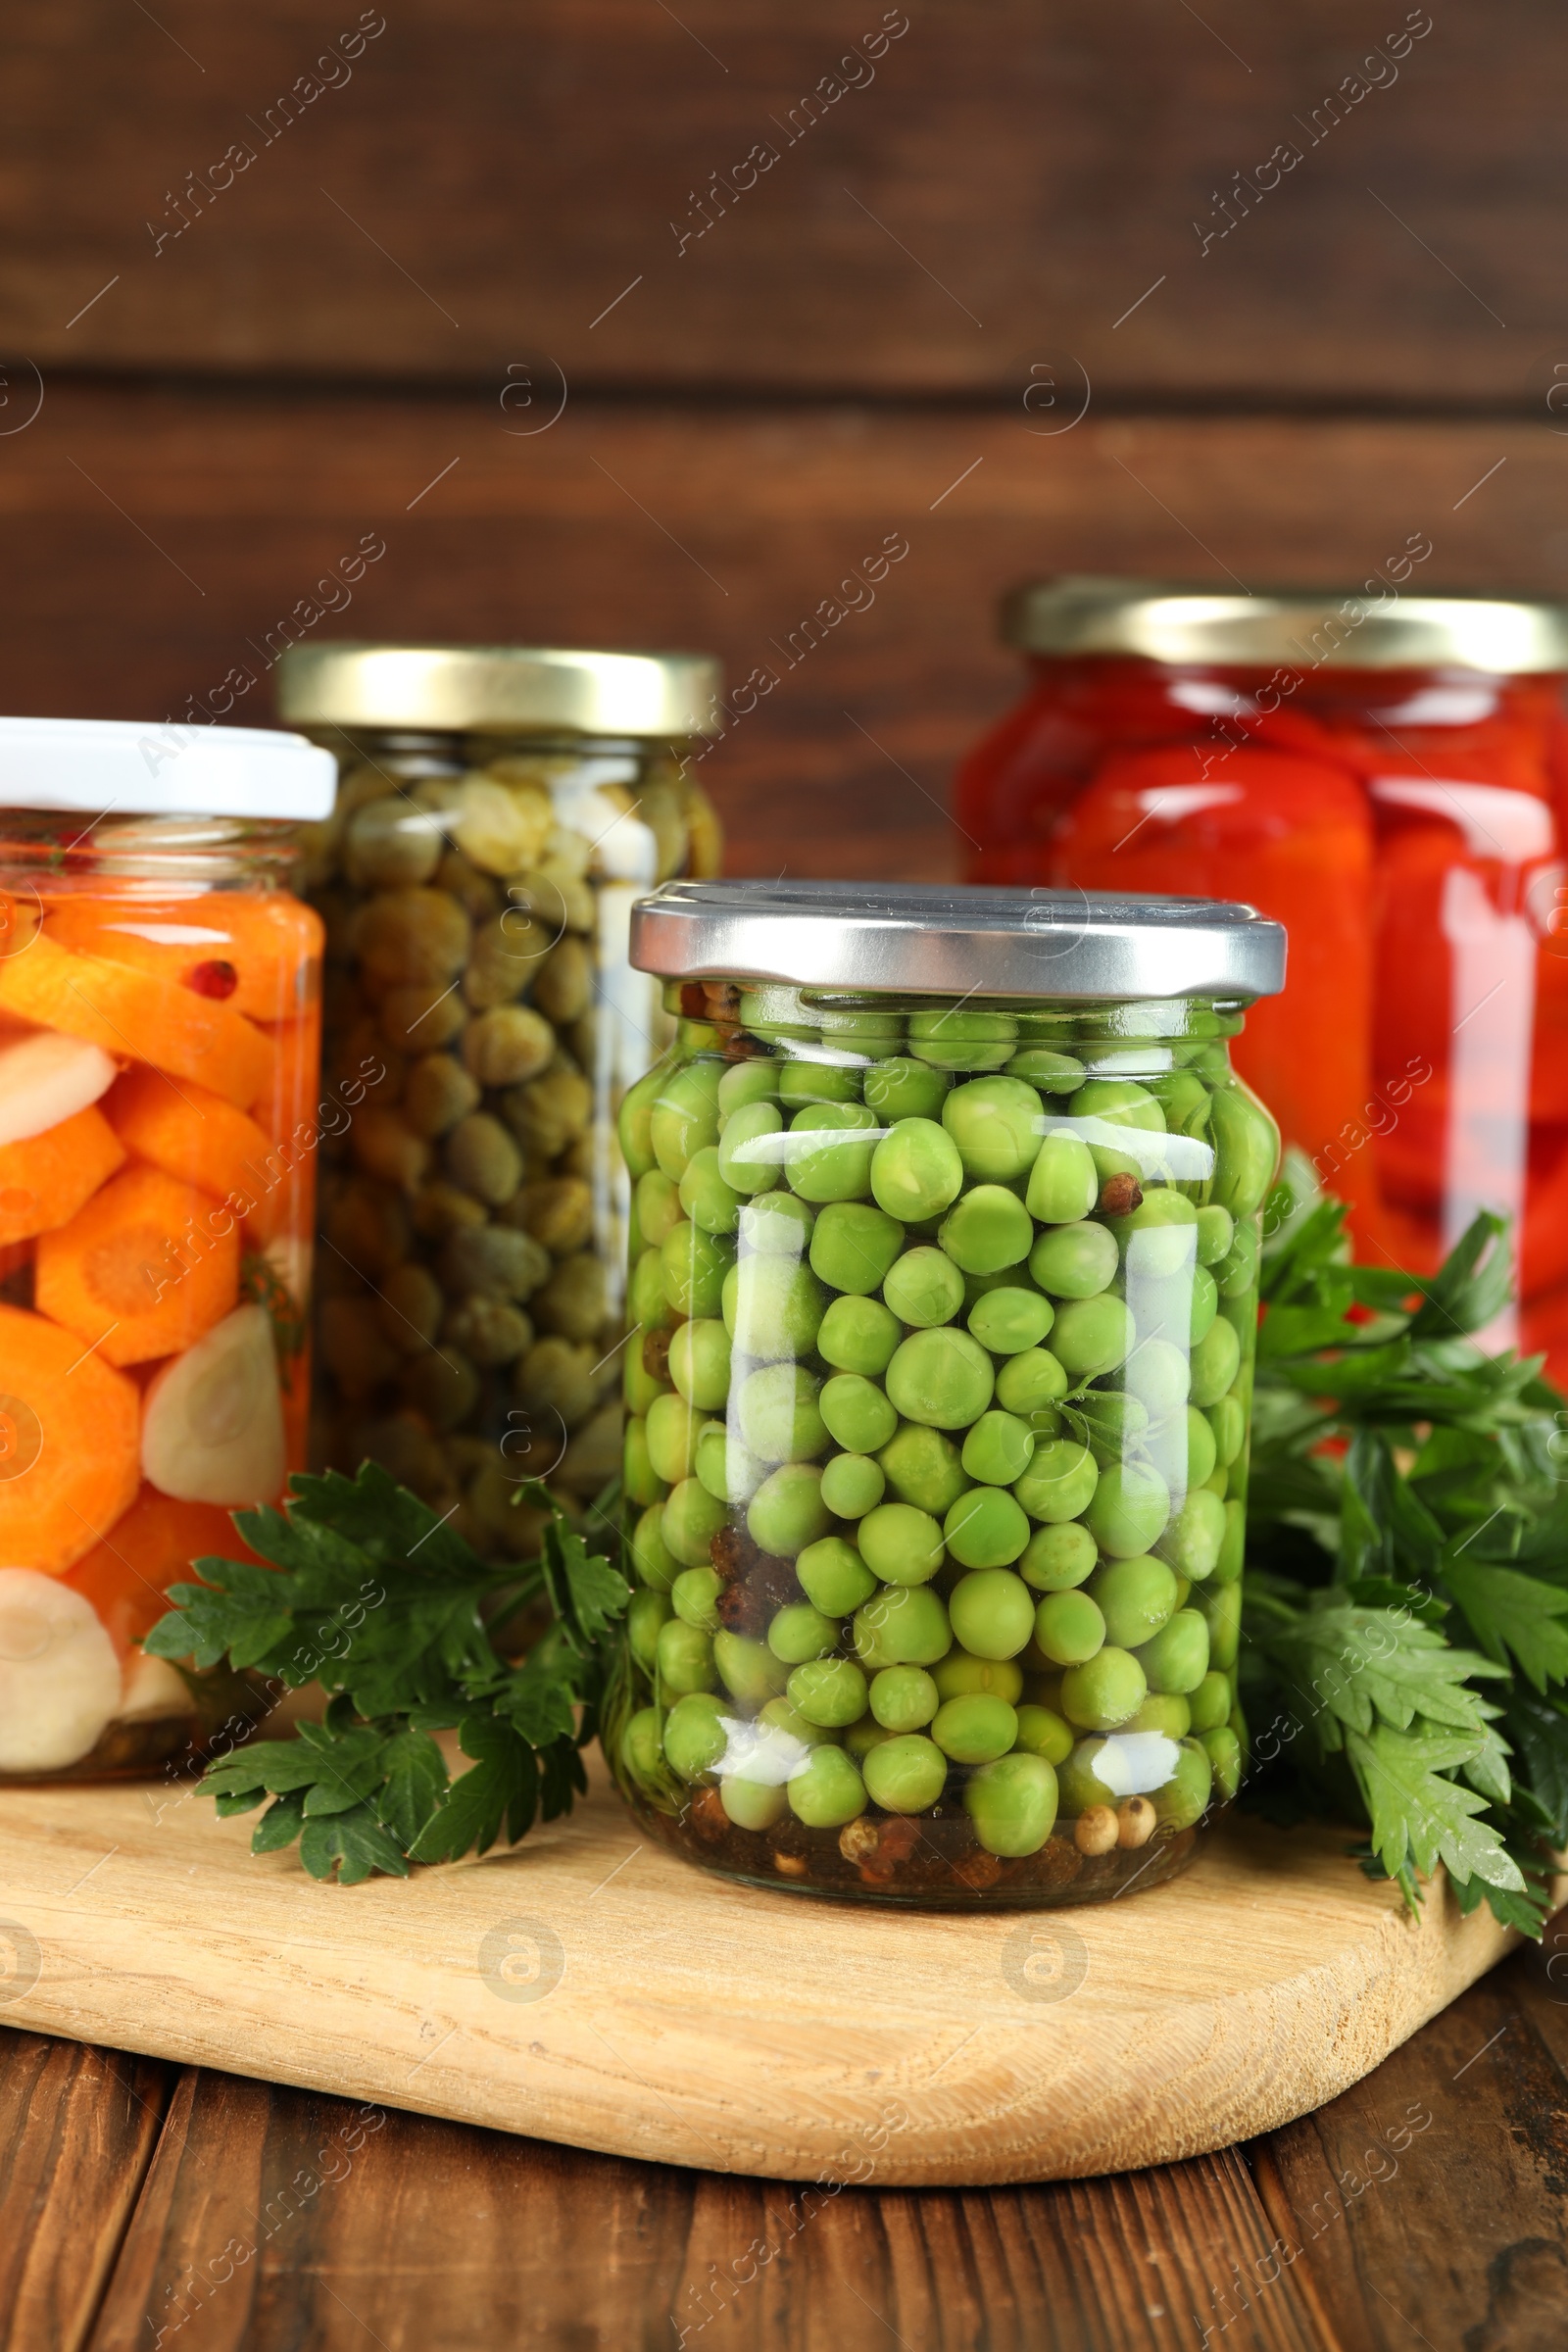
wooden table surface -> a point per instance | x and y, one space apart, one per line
144 2205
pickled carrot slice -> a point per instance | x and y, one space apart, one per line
188 1131
256 952
69 1443
44 1181
143 1270
137 1015
153 1545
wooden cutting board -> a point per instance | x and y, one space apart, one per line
592 1988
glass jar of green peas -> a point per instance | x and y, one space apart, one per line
943 1302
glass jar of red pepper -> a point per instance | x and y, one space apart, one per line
1387 774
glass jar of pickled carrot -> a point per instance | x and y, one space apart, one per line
501 809
1387 774
160 1042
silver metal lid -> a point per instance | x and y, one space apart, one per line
499 689
919 941
1374 627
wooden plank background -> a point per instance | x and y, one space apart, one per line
443 302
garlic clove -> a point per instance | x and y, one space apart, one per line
46 1078
58 1675
213 1419
152 1690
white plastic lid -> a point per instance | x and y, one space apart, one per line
145 768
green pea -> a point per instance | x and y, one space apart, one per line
963 1041
778 1416
692 1519
1200 1448
854 1245
904 1625
905 1774
685 1116
724 1467
999 1449
1169 1715
942 1379
1081 1784
1093 1335
903 1698
635 1122
862 1736
1215 1362
1044 1733
986 1529
685 1656
694 1598
804 1082
1204 1305
1220 1607
749 1670
658 1204
992 1612
1114 1423
987 1230
858 1414
1246 1144
839 1167
874 1029
915 1170
752 1804
1136 1597
1158 1376
829 1791
650 1553
1059 1483
642 1748
698 1365
752 1081
1236 1274
833 1576
694 1736
996 1124
645 1612
1030 1381
1063 1183
925 1288
1074 1262
1184 1799
779 1715
858 1335
1184 1099
1013 1804
1102 1693
1120 1100
638 1476
1216 1230
1008 1320
1043 1066
852 1484
799 1632
1193 1540
1233 1546
638 1387
1224 1752
1211 1702
1058 1558
902 1089
695 1266
974 1729
1226 1420
787 1512
776 1225
1158 1238
900 1545
1176 1660
923 1467
1129 1511
647 1305
746 1162
960 1674
1069 1628
704 1196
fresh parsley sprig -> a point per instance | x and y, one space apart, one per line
374 1596
1406 1604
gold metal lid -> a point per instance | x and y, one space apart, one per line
1292 628
498 689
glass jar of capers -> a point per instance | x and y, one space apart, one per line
943 1298
499 811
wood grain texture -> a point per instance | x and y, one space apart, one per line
78 2130
1432 2199
683 2018
156 540
274 2220
484 181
